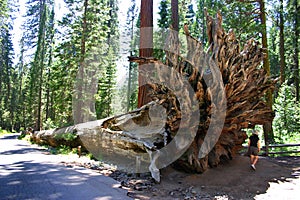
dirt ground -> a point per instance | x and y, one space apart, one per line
275 178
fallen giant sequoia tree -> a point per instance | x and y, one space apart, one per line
228 85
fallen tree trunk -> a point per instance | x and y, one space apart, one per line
126 140
201 105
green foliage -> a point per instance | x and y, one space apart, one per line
34 59
126 94
66 136
62 149
3 132
90 156
7 70
25 137
107 82
87 56
287 150
287 119
164 13
49 124
164 23
244 19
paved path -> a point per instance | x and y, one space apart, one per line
28 172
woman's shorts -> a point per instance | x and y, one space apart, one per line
253 151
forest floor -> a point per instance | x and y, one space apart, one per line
274 178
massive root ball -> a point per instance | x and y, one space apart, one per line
243 86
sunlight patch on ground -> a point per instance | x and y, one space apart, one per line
288 189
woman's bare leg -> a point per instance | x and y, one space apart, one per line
255 160
251 159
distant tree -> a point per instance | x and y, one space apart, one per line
164 23
6 75
198 28
22 73
281 45
87 57
107 83
164 13
287 120
133 33
7 71
37 30
293 21
244 17
274 40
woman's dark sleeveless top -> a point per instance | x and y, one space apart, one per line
253 140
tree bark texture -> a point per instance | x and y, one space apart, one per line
281 45
146 48
296 54
175 16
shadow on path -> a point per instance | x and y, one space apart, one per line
27 173
23 150
29 180
9 137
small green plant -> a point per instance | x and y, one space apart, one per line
74 150
90 156
25 137
2 132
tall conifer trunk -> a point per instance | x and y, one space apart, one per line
146 48
39 61
175 17
281 45
78 118
296 54
268 130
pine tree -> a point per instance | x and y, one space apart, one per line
268 131
36 33
293 7
281 45
86 54
164 23
107 83
7 72
243 18
132 80
164 13
22 72
287 120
